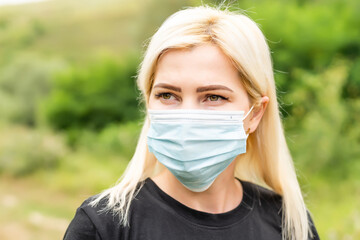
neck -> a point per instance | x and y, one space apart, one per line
222 196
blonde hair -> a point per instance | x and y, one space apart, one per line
267 161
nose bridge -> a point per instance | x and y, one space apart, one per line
190 101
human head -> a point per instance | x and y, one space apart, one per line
240 39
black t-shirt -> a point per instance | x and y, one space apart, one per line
154 215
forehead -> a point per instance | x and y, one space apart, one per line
204 64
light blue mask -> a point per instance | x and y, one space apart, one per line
196 145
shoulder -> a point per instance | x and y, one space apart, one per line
81 226
267 205
92 222
262 195
97 221
97 209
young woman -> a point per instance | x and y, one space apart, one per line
211 161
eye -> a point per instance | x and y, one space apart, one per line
165 96
215 98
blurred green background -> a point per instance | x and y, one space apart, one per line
70 115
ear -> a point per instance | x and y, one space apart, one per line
257 114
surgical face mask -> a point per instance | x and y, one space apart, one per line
196 145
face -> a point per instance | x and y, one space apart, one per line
200 78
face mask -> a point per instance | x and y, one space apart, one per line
196 145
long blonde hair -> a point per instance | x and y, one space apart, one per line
267 161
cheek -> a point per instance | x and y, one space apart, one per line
246 125
152 102
156 104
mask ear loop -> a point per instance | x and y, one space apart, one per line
247 114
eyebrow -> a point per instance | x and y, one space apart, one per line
199 90
213 87
167 86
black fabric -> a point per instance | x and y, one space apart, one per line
154 215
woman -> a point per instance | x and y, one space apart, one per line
211 137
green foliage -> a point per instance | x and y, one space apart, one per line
24 151
335 207
307 35
33 32
154 13
3 23
112 140
352 87
92 97
324 135
24 83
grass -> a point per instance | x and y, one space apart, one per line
40 206
335 208
31 211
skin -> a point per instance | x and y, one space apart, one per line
202 78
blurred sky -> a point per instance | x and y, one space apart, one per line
13 2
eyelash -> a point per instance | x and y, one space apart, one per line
159 95
219 96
